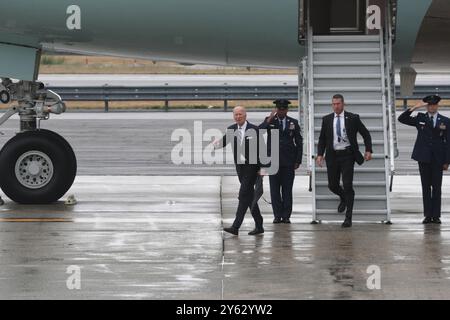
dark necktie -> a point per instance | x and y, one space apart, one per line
338 128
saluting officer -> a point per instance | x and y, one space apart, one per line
290 158
432 151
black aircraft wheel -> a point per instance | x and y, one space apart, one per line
37 167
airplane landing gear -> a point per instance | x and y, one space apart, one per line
37 166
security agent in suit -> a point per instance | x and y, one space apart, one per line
290 158
338 142
432 151
246 158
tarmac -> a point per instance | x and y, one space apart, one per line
158 234
160 237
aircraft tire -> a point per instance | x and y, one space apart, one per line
37 167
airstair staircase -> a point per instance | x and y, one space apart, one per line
360 68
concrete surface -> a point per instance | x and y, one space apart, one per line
144 228
159 237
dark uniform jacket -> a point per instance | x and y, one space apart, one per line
291 141
431 143
353 125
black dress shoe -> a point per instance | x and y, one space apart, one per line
256 232
342 206
231 230
437 220
347 223
286 220
277 220
427 220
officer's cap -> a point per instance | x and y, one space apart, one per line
432 99
282 103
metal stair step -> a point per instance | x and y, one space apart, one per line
355 212
346 56
350 38
350 102
357 197
374 142
371 129
372 218
348 76
357 170
377 155
347 89
364 115
346 50
347 63
356 183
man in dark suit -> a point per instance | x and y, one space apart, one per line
432 151
290 158
244 137
338 141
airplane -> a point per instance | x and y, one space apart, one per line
39 166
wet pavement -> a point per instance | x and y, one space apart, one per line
144 228
159 237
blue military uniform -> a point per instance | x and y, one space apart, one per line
290 156
432 152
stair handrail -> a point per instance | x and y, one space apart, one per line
385 85
390 81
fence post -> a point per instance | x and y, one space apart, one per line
405 104
225 105
106 106
166 106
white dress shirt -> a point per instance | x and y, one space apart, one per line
344 142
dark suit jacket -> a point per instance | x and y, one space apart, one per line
353 126
431 142
291 141
250 149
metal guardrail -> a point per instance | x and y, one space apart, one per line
212 93
168 93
